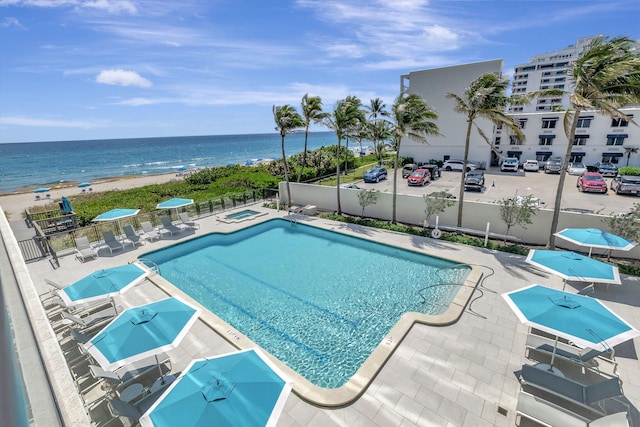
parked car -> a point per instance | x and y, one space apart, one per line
576 168
434 170
456 165
474 180
375 175
510 164
352 186
408 170
534 202
419 177
553 165
624 184
531 166
607 169
592 182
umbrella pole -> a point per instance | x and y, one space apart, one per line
553 355
161 378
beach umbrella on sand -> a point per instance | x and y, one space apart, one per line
116 215
84 184
595 238
237 389
574 267
41 190
580 319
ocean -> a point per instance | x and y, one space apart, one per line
40 164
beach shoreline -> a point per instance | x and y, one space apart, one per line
14 204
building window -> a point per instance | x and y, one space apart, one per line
558 86
584 122
616 139
619 122
546 139
576 158
522 123
513 140
580 140
608 159
549 123
497 141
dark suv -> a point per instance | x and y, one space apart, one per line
607 169
553 165
474 180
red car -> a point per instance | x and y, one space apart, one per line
592 181
419 177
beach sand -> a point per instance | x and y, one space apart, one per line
15 204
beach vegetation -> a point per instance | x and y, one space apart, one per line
287 121
485 98
412 118
311 107
605 77
345 120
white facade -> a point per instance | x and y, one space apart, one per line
434 85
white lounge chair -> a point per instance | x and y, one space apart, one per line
111 241
169 227
150 233
84 249
91 320
132 236
184 217
550 414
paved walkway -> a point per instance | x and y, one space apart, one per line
459 375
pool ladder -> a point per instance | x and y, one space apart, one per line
153 266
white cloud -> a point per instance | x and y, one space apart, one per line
12 22
111 6
122 78
26 121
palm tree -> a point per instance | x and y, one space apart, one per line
377 109
411 118
287 120
605 77
379 132
345 118
485 98
311 107
629 151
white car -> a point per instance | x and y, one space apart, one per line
576 168
456 165
531 166
510 164
352 186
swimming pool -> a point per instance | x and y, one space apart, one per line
319 301
243 215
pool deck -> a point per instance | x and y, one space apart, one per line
464 374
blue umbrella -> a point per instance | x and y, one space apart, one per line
237 389
142 332
41 190
103 284
595 238
84 184
116 215
573 266
583 320
66 205
174 203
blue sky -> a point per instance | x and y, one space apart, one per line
93 69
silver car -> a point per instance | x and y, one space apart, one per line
576 168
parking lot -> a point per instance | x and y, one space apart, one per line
501 185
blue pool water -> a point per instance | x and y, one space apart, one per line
317 300
242 214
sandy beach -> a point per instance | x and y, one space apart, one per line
14 204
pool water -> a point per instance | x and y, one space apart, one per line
319 301
242 214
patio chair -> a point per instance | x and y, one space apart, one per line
187 222
111 241
133 412
550 414
132 236
91 320
149 233
169 227
84 249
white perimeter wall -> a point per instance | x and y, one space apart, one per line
410 210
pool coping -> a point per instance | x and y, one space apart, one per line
360 381
225 220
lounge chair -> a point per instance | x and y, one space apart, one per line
92 320
571 390
84 249
132 236
124 376
169 227
549 414
118 408
149 233
187 222
111 241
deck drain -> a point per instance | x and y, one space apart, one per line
502 411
